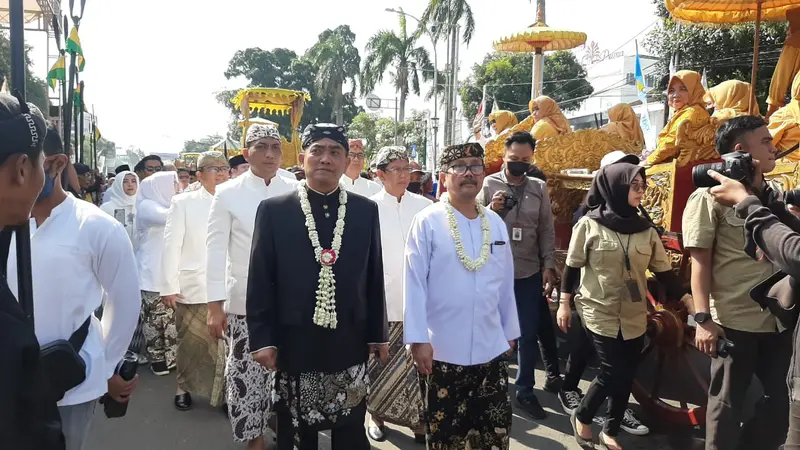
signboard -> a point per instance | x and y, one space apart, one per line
373 102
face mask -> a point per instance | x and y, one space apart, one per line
414 187
47 189
518 168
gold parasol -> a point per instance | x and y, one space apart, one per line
732 12
537 39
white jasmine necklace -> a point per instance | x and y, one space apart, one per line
325 309
473 265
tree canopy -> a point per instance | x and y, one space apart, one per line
379 132
36 88
337 61
507 77
201 145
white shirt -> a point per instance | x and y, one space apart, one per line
151 218
230 235
361 186
183 265
78 254
468 317
286 174
396 218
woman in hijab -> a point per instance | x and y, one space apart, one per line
784 125
502 120
624 123
29 417
685 97
729 99
158 321
121 200
611 249
549 120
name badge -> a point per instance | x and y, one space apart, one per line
516 234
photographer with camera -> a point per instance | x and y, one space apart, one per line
723 275
524 205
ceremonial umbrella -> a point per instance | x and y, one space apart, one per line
732 12
537 39
225 145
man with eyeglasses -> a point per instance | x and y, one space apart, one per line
200 357
460 317
524 205
149 165
352 179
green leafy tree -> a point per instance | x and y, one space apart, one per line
507 77
399 51
725 53
337 60
201 145
379 132
35 88
440 12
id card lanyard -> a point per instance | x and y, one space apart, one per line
630 283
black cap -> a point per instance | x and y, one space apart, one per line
122 168
236 161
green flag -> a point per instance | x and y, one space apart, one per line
74 46
57 72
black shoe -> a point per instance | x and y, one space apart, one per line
632 425
553 385
570 400
531 406
183 402
159 368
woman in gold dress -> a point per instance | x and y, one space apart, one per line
624 123
729 99
549 120
784 125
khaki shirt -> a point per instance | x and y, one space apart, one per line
533 215
604 302
710 225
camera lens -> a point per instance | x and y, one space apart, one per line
792 197
700 176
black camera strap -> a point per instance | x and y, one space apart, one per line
78 338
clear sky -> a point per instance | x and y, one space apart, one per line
153 67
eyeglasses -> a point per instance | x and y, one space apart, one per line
638 186
399 170
214 170
151 169
356 155
462 169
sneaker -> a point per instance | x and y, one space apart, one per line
570 400
141 359
553 385
531 406
159 368
632 425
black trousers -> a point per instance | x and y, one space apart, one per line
767 356
579 355
547 340
348 437
618 361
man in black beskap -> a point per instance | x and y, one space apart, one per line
316 333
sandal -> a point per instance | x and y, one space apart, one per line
602 441
584 443
377 434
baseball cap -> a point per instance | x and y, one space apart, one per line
618 156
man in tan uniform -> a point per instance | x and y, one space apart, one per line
788 64
722 277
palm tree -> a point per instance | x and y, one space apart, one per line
337 60
387 48
443 12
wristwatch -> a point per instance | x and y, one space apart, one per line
702 317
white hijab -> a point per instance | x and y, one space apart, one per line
159 187
117 194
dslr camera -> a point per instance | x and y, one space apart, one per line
509 201
735 165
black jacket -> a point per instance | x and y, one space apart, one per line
282 284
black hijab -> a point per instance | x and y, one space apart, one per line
608 199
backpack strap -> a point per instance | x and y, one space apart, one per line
79 336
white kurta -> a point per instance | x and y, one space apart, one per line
183 266
78 254
230 236
468 317
396 218
361 186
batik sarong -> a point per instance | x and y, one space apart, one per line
467 404
201 357
395 395
158 325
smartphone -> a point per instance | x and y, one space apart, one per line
119 214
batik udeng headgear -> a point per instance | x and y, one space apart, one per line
454 152
22 125
318 131
258 131
387 155
211 158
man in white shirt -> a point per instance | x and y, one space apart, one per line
460 314
230 236
199 356
78 253
395 396
352 179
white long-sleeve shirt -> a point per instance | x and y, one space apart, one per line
230 236
150 221
361 186
396 218
77 254
183 264
467 317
